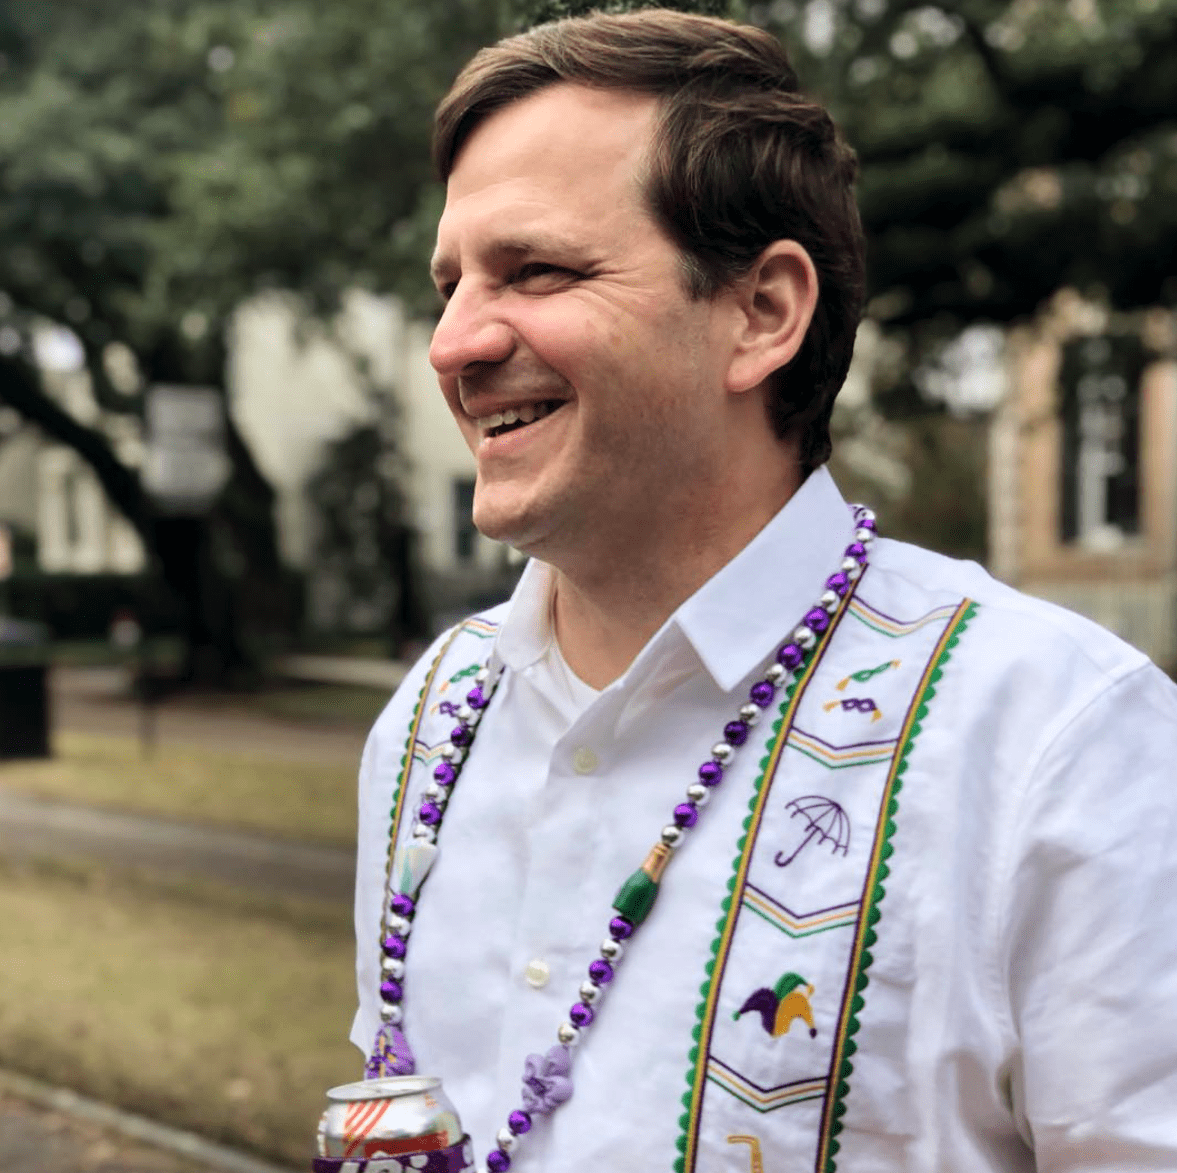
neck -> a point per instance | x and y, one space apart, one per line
606 609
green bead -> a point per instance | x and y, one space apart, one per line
636 897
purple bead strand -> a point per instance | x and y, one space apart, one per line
401 907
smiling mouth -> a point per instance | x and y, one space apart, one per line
511 419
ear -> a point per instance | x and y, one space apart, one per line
776 300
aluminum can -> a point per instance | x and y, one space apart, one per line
396 1124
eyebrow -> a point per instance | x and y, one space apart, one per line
512 248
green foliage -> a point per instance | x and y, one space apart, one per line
1007 149
532 12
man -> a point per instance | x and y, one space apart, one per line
909 831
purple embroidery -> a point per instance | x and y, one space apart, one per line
547 1080
825 821
391 1054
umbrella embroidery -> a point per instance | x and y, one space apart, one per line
782 1005
825 821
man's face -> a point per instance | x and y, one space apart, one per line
586 382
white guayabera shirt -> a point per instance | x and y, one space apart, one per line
923 925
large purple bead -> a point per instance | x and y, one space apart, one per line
580 1014
600 971
393 946
444 774
711 773
686 814
856 550
735 733
838 583
497 1161
430 814
391 991
402 905
620 928
761 693
519 1121
461 736
867 523
475 698
817 619
790 656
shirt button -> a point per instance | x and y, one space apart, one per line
584 761
537 974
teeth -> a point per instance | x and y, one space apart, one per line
525 413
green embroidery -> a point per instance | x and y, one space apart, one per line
463 673
865 674
861 958
687 1139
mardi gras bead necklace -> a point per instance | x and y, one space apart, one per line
547 1078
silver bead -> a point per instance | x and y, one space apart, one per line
699 794
466 714
865 536
672 836
392 967
506 1140
433 792
481 676
449 752
590 994
612 950
829 601
749 713
400 926
568 1034
722 752
776 674
425 833
391 1012
804 638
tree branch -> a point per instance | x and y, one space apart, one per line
20 388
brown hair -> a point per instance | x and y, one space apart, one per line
741 158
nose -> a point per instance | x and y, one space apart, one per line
469 334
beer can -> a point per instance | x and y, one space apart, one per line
396 1124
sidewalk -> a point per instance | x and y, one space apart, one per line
49 1130
52 1130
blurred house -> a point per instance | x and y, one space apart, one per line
1083 468
295 387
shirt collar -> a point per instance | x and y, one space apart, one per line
736 618
742 613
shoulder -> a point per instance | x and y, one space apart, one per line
1011 631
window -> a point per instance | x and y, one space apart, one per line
465 535
1101 440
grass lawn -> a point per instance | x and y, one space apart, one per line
195 1005
308 801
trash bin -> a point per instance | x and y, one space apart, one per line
24 693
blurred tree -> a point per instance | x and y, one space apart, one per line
1008 148
159 164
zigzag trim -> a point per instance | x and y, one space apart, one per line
764 1099
841 1066
687 1141
795 925
895 628
840 757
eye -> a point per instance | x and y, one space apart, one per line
538 276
